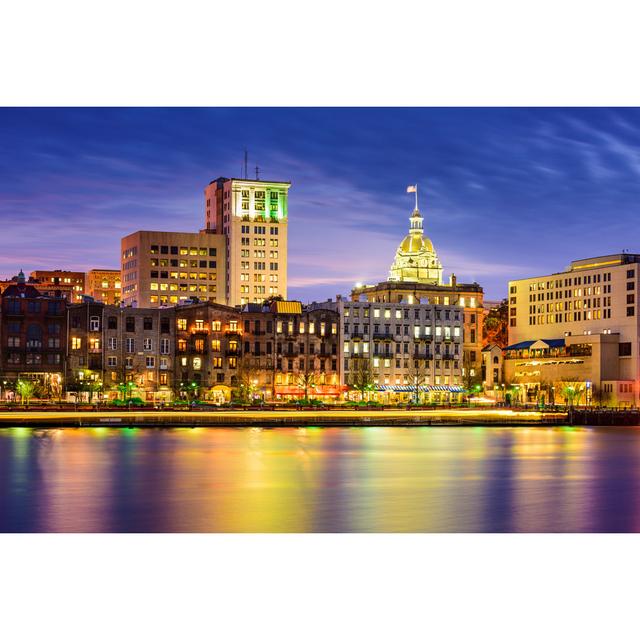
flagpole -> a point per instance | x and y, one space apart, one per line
416 197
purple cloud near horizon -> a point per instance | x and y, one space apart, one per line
505 192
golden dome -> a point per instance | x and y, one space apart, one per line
414 243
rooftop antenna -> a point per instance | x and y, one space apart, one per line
257 172
246 161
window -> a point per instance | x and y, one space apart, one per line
130 324
164 346
130 345
112 361
76 343
151 362
112 343
630 311
216 325
147 344
624 349
112 322
147 324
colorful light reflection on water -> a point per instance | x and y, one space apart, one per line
381 479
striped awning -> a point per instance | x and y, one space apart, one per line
411 388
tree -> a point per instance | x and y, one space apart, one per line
495 329
602 397
274 298
25 388
361 376
188 389
306 380
417 373
572 390
245 381
470 374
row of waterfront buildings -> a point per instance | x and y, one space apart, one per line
206 314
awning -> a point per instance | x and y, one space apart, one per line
410 388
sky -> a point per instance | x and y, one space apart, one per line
506 193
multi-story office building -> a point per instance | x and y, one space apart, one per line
104 285
252 216
125 352
58 278
239 257
162 268
33 329
407 349
415 277
290 351
577 329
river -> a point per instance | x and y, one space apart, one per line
361 479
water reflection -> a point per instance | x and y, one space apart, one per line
382 479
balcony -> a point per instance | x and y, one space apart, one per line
232 332
383 336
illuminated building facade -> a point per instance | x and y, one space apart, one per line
76 280
252 217
415 278
46 288
104 285
577 330
121 352
410 350
162 268
33 328
416 259
291 351
208 351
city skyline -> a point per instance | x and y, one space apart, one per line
493 183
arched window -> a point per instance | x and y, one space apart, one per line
496 360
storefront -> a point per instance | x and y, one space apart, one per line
401 394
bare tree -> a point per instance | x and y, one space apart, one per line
470 372
306 380
417 374
361 376
245 380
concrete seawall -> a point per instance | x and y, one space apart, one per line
279 418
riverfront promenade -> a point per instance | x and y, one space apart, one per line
279 417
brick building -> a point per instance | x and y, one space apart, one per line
32 336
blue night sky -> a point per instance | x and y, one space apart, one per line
506 193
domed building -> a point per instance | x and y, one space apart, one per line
416 259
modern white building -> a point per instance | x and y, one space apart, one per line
577 332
